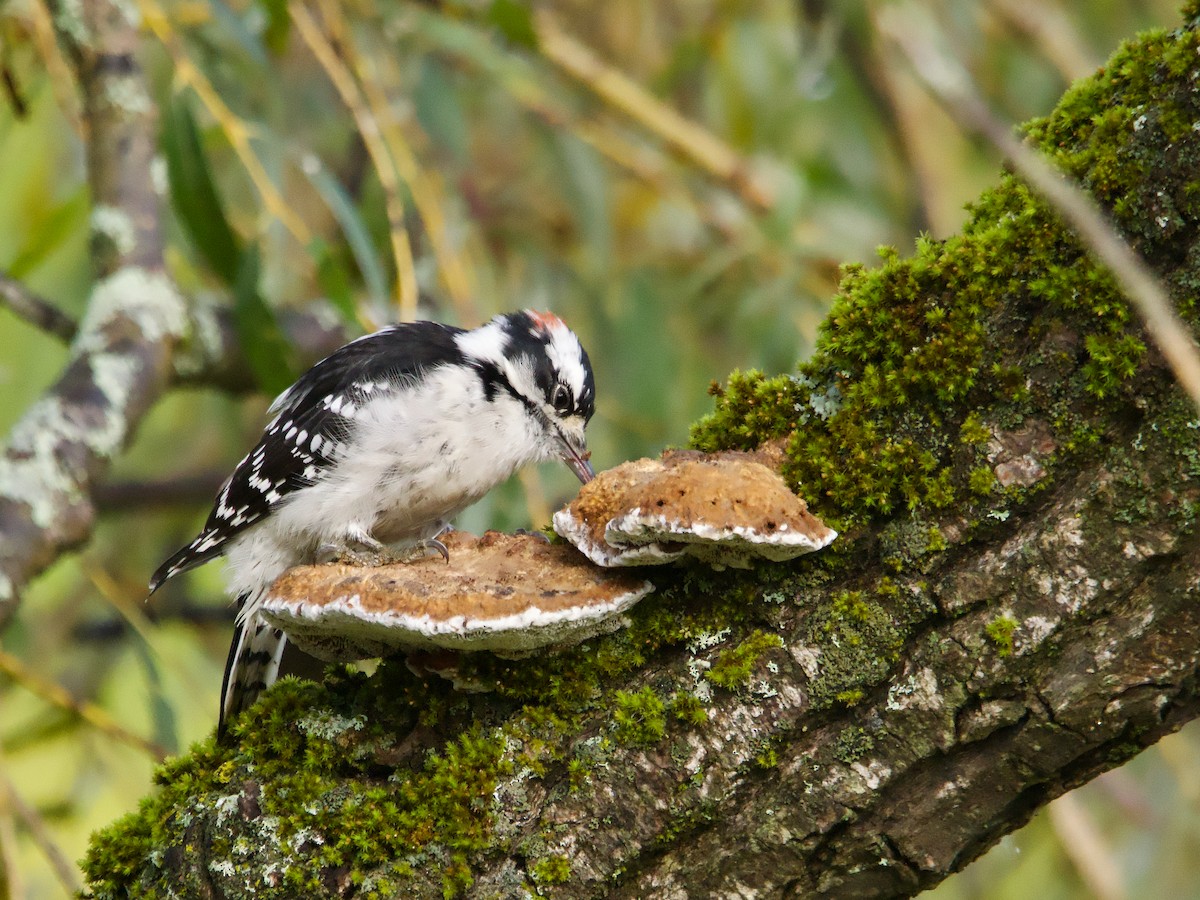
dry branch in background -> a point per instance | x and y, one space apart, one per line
36 310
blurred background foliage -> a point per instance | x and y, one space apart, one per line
679 180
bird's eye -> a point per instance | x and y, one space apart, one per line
561 399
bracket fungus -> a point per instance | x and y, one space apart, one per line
506 593
725 509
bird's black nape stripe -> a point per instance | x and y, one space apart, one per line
494 381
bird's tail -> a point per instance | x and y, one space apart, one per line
252 665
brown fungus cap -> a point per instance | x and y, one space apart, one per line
725 508
504 593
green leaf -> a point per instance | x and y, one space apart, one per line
515 21
358 236
262 341
162 713
587 184
194 194
50 234
334 280
279 24
439 110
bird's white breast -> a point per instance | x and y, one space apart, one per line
416 454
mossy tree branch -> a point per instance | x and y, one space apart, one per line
1010 611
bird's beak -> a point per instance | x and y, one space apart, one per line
576 456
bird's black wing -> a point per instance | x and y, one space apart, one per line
312 420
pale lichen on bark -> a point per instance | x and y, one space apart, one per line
120 356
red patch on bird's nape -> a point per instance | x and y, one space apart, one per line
545 321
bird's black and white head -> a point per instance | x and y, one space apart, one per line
538 360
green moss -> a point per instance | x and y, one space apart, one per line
1112 359
982 480
687 820
734 667
639 717
751 409
688 708
859 642
302 754
909 543
766 755
973 432
1000 633
852 745
551 870
936 542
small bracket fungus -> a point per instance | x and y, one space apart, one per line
725 509
504 593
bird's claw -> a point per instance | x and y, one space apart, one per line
534 533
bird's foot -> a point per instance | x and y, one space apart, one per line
423 549
368 552
534 533
359 550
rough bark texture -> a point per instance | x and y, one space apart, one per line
1011 608
138 336
121 353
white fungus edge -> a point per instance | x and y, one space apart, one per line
636 527
609 555
345 619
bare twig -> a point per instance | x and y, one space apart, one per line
35 309
61 79
371 131
426 192
235 129
60 697
183 490
66 873
113 628
1086 848
643 161
914 32
216 358
891 97
1053 33
9 869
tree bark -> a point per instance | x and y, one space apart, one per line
121 353
138 338
1010 611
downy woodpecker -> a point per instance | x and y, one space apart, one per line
378 446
